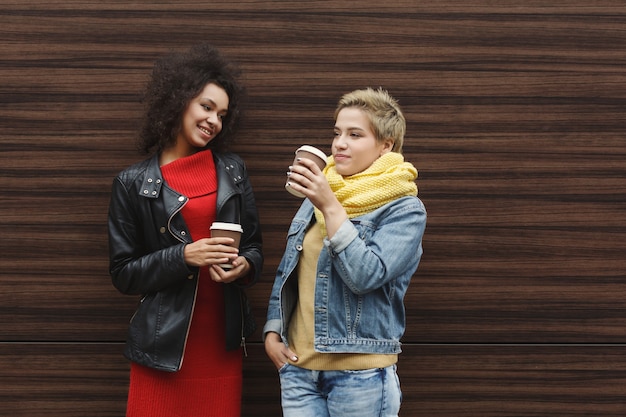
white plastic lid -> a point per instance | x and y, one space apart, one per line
234 227
313 150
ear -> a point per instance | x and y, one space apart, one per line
387 146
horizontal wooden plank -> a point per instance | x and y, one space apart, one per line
505 380
79 379
63 379
73 379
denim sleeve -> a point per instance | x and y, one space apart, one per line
346 233
391 250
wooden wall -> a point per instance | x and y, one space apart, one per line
516 116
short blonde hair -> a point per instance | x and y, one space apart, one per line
383 111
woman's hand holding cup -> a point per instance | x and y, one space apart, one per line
304 152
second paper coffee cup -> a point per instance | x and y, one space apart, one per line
308 152
232 230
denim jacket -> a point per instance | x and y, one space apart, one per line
363 273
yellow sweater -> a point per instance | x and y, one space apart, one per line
302 326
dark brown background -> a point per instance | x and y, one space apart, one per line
515 121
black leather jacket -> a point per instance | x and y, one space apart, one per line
147 235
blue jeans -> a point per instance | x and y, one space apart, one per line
369 393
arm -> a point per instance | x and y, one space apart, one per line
251 247
275 348
277 351
248 265
133 268
310 180
388 250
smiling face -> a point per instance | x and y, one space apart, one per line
202 120
355 146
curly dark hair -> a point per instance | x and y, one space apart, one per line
176 79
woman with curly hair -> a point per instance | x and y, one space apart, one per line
186 339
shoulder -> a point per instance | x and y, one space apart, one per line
228 158
136 170
231 163
405 204
412 202
406 213
405 210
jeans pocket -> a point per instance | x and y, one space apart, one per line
283 368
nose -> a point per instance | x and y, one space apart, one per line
340 141
213 118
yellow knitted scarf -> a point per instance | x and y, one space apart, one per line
386 180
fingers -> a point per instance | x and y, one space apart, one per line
306 176
224 243
305 167
240 268
218 274
289 354
211 251
277 351
309 164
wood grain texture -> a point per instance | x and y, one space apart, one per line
515 118
506 380
73 379
62 379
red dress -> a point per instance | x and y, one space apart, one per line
209 382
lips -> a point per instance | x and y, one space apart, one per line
206 131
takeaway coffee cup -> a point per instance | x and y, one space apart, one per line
232 230
308 152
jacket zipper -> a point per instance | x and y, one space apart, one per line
195 294
193 307
243 320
